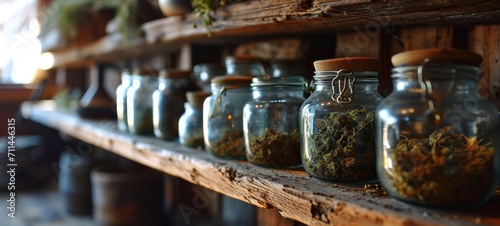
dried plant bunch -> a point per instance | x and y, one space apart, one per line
206 8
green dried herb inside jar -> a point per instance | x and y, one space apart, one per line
271 122
337 121
222 116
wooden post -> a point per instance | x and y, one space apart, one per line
485 40
427 37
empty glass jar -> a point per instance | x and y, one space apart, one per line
223 116
437 141
140 102
271 122
168 102
191 122
337 121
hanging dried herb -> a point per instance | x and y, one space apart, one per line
229 145
206 9
344 147
276 149
446 168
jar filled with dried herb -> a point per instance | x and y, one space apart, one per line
121 100
223 116
140 102
245 65
191 122
337 121
168 102
271 122
437 140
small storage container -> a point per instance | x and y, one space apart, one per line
205 72
437 140
191 122
140 102
168 102
223 116
271 122
245 65
337 121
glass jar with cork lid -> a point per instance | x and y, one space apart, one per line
245 65
437 140
271 122
223 116
337 121
168 102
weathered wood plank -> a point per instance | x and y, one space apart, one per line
270 17
357 43
485 40
426 37
292 192
322 14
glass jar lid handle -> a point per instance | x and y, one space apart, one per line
345 80
432 115
217 102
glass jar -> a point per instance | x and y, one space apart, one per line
288 67
245 65
140 102
191 122
337 121
271 122
437 141
223 116
168 102
203 73
121 100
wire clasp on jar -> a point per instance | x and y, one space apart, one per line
345 82
217 102
432 115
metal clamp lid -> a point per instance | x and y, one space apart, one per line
224 83
432 115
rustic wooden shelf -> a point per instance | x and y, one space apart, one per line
292 192
271 17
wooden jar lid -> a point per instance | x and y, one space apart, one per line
196 98
417 57
348 63
175 73
232 80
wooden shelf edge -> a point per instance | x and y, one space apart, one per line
292 192
270 17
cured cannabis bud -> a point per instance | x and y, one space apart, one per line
446 168
229 145
344 147
275 149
